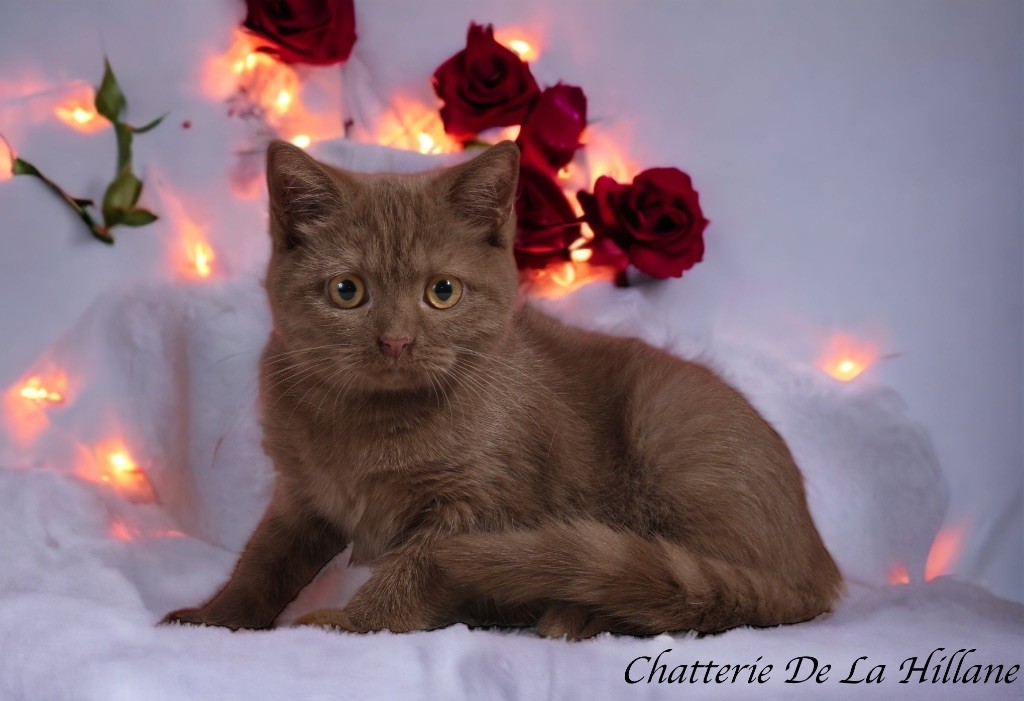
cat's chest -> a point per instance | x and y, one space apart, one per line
378 480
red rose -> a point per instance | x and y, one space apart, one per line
545 221
553 127
320 32
656 221
485 85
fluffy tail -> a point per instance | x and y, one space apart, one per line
645 586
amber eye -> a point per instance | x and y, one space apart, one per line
346 291
443 291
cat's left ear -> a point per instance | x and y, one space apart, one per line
482 192
303 194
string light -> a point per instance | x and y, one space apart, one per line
79 114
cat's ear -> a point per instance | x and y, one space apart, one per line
482 192
303 194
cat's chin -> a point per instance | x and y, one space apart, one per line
398 378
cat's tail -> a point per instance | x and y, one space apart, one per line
644 586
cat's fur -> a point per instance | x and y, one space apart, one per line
505 468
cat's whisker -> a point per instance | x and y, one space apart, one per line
512 368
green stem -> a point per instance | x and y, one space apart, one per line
23 167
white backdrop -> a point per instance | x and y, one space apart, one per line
862 164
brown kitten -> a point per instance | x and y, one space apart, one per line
495 465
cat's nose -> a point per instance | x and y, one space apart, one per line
394 345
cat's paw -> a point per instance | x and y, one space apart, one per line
568 621
202 617
187 616
332 619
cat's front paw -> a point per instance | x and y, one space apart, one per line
332 619
202 617
193 617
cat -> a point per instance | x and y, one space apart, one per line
496 466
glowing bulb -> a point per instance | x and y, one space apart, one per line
283 100
36 392
202 259
846 358
122 463
426 141
564 276
845 369
302 140
77 115
564 173
522 48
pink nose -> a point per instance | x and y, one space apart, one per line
393 346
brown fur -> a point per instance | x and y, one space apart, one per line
506 468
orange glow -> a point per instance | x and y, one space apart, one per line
79 113
945 552
261 77
127 532
846 358
123 531
581 255
34 390
6 161
25 404
283 101
426 142
195 259
168 533
559 280
605 155
413 126
898 574
202 259
257 84
112 464
522 42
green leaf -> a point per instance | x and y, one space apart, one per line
20 167
110 100
102 234
148 127
121 195
124 146
137 217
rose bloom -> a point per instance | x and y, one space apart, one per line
319 32
545 221
656 221
485 85
553 127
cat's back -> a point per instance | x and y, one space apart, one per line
615 363
637 386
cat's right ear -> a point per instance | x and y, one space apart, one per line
303 194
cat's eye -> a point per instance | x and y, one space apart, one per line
346 291
443 291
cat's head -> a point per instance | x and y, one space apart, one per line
387 281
